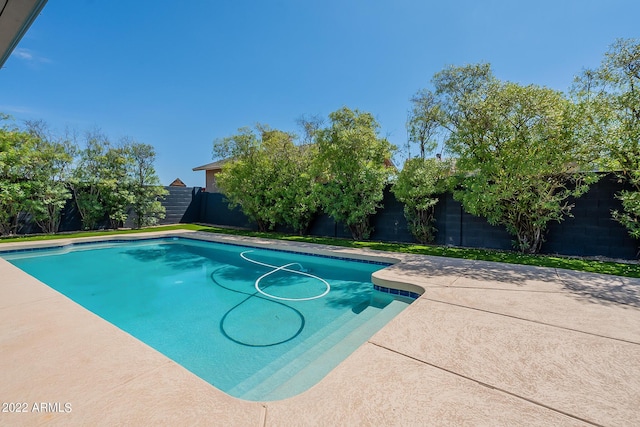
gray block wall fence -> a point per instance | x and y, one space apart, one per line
182 205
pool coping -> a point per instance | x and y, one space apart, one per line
485 343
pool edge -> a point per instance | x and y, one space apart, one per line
295 247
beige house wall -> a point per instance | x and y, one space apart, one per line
211 186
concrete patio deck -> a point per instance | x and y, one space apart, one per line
486 344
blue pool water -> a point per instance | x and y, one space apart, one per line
255 323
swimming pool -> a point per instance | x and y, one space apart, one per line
255 323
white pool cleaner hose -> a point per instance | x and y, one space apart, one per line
284 268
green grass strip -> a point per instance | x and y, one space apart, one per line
39 237
577 264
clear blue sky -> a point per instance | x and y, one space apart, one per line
177 75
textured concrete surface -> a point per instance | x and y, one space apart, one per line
486 344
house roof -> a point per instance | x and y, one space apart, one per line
177 183
15 18
389 163
217 165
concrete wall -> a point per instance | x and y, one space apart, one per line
214 209
592 231
182 205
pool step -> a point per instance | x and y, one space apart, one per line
340 322
377 301
326 361
318 360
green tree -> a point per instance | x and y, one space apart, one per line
269 177
425 121
310 125
16 166
352 163
517 156
294 189
146 191
248 178
49 190
33 169
610 97
85 180
421 181
419 186
100 182
115 184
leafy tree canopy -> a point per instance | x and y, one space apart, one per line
49 185
100 181
352 163
33 167
419 186
517 157
250 178
144 185
425 121
610 98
